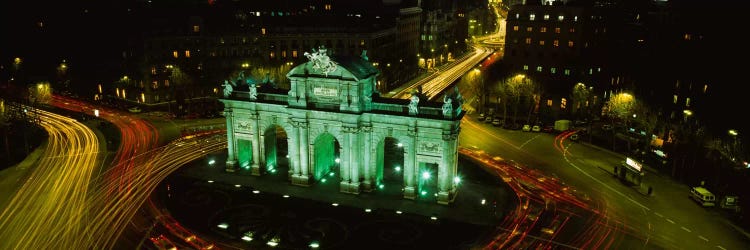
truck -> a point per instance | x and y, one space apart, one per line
562 125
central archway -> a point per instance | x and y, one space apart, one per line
390 167
326 161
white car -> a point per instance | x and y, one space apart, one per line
526 128
536 128
135 110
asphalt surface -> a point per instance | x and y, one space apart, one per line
308 213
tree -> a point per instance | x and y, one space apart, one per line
581 100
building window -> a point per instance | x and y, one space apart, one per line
553 70
557 30
575 18
546 16
687 102
543 29
539 68
154 84
572 30
262 31
525 67
175 54
518 16
294 53
556 43
570 44
515 28
549 102
687 37
166 83
187 53
563 103
560 18
541 42
283 54
529 29
196 28
362 41
272 55
566 72
153 70
674 99
327 7
532 17
528 40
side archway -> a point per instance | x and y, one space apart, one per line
276 154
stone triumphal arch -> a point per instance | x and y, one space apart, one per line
331 125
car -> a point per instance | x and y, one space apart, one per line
548 129
526 128
481 116
606 127
536 128
135 109
497 122
488 119
574 137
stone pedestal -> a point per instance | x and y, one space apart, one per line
255 170
301 180
230 166
410 193
350 188
366 186
444 198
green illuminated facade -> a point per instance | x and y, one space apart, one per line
329 128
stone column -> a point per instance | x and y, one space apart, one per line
255 166
410 165
293 150
301 175
354 149
231 154
447 170
345 162
367 166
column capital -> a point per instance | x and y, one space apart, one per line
298 123
411 132
350 129
450 137
366 128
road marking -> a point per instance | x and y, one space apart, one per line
600 182
719 247
658 214
529 140
686 229
670 221
702 238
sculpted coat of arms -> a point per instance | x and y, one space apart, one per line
321 61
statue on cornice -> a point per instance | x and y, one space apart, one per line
413 109
447 107
321 61
228 88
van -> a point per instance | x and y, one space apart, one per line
703 196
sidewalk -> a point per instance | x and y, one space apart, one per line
10 177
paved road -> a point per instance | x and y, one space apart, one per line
667 219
